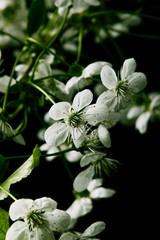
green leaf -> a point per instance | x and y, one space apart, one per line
36 16
22 172
4 223
4 163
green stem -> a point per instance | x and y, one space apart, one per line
11 77
12 115
43 155
79 44
8 193
11 36
23 125
42 91
52 76
48 50
68 169
49 43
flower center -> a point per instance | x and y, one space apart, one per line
35 219
104 165
75 119
121 88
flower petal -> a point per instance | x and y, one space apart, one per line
59 110
4 83
19 208
59 220
108 77
95 113
68 236
94 229
17 231
82 99
80 207
104 135
129 67
97 182
137 82
83 178
73 156
41 233
135 111
90 157
79 6
111 101
142 122
94 69
56 134
102 192
92 2
45 204
71 85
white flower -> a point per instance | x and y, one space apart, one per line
98 163
77 83
36 219
93 230
120 91
75 119
83 205
78 6
142 114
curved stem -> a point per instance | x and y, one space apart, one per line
42 155
42 91
68 169
8 193
79 44
32 40
12 36
12 115
49 43
11 77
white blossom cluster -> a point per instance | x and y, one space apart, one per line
80 105
40 219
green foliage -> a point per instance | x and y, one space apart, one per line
4 223
75 70
22 172
36 16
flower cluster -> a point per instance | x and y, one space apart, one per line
73 100
40 219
